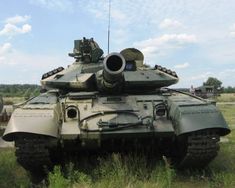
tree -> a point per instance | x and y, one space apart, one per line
213 82
229 89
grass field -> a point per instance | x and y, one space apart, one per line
132 170
13 100
226 97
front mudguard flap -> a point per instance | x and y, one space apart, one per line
33 121
189 118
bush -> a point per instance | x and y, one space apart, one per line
115 170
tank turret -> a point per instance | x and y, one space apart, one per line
117 72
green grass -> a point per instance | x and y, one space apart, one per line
133 171
226 97
13 100
228 111
130 171
114 171
11 174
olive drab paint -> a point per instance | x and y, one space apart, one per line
110 103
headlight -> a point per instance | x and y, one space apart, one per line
160 109
72 112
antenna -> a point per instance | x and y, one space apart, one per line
109 24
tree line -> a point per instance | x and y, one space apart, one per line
217 84
19 90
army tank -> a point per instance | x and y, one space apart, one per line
113 102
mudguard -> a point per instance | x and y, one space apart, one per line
35 121
198 116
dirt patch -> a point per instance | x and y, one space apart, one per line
232 126
224 139
4 144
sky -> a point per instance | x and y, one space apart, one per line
194 38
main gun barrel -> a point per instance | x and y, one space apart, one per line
114 65
111 78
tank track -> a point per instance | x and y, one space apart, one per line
32 153
201 148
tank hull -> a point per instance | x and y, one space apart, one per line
126 115
169 123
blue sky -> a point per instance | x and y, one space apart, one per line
194 38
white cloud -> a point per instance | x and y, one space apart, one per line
228 75
170 24
26 60
119 15
202 76
11 30
174 39
181 66
26 28
227 71
5 48
28 68
178 38
57 5
17 19
12 26
161 45
232 31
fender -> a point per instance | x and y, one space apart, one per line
35 121
189 117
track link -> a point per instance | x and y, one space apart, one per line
201 148
32 153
